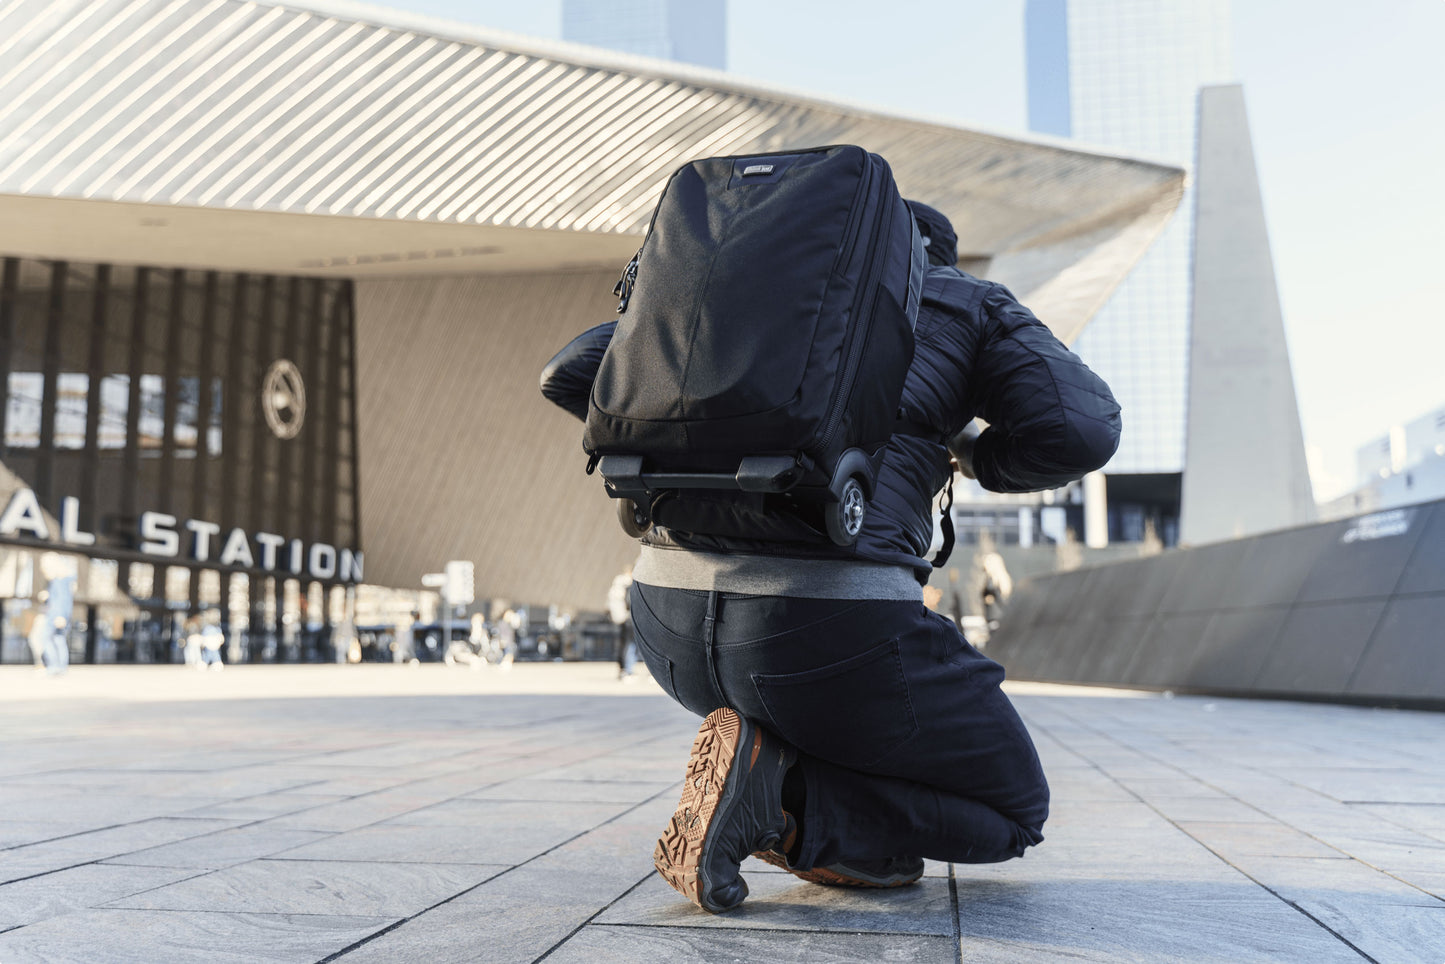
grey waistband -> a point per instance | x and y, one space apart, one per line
775 575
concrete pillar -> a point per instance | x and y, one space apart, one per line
1096 511
1245 469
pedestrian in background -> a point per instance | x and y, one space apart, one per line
619 608
60 600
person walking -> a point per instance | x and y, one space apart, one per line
849 731
59 602
619 609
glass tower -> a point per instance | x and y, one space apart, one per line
693 31
1126 74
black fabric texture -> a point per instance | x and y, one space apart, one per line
905 741
977 352
767 316
567 379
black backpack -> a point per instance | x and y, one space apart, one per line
766 329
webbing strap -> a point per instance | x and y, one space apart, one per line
946 524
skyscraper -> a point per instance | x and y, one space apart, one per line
1126 74
693 31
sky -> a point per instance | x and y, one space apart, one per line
1347 109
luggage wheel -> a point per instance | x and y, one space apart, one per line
845 517
635 519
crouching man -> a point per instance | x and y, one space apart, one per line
850 732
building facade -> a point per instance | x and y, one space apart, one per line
1405 466
279 279
184 441
1192 342
1130 79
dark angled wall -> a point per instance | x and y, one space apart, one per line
1347 609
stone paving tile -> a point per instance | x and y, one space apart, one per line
1232 840
393 791
235 783
225 848
1427 819
691 945
521 913
1382 928
51 895
102 809
1091 785
516 917
406 755
1371 785
512 832
358 811
600 791
1208 810
567 818
313 887
319 778
52 855
1101 919
782 902
18 833
138 936
665 764
264 807
205 759
392 843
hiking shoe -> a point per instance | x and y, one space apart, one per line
887 872
732 805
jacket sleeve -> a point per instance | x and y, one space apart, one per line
567 378
1051 419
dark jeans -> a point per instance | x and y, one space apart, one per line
908 747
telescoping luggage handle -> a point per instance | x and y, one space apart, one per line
845 507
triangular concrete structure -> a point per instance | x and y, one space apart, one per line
1245 469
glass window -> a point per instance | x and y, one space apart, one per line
188 404
25 391
213 424
114 403
152 414
72 390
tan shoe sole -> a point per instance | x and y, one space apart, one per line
679 849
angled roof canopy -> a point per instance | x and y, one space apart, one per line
273 137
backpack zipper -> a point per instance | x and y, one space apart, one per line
860 338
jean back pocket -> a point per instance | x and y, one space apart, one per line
853 712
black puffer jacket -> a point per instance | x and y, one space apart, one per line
978 353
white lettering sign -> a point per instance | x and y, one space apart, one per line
323 561
23 515
158 534
70 523
1381 525
269 543
203 531
237 551
350 566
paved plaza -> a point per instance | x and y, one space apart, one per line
438 814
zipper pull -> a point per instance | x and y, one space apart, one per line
592 463
625 284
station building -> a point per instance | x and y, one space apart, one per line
279 278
